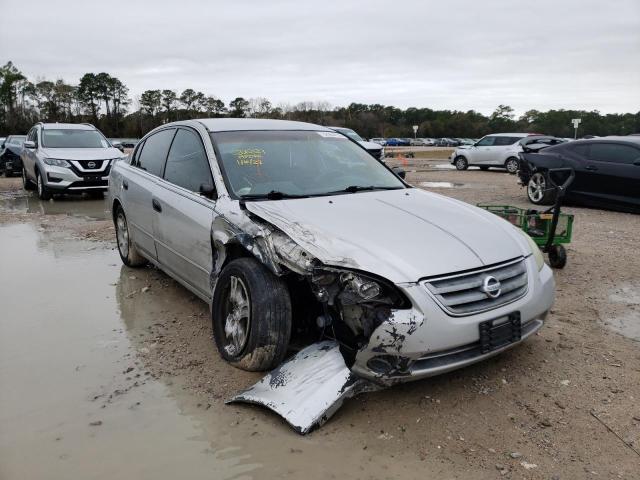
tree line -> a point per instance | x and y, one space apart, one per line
104 100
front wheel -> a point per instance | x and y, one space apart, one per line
538 190
461 163
43 192
512 165
251 316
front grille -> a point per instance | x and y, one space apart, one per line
462 294
80 173
95 164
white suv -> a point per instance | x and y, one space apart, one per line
497 150
66 158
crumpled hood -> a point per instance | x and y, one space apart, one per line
82 153
401 235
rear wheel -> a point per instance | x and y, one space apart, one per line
461 163
512 165
538 190
251 316
26 183
127 250
43 192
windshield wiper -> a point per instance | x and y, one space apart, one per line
361 188
272 195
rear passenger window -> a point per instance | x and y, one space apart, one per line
187 164
582 150
614 153
154 152
503 141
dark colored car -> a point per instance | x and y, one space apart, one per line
397 142
607 172
10 163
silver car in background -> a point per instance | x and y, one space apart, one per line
70 158
291 231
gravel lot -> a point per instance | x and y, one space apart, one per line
137 388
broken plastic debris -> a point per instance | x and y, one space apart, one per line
309 388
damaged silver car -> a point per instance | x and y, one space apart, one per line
303 242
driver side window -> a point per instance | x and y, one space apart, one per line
486 142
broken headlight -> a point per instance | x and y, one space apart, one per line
354 287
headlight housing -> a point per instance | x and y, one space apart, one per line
535 250
55 162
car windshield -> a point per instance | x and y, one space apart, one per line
17 140
71 138
297 163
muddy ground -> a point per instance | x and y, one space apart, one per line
110 372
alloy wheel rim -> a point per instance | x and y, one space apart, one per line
512 166
460 164
536 187
238 314
122 235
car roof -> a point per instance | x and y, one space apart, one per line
511 134
615 138
239 124
68 126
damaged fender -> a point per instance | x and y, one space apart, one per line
307 389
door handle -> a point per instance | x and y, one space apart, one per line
125 184
591 168
156 205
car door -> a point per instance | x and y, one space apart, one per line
614 175
186 201
28 156
139 186
482 152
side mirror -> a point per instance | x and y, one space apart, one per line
208 191
399 171
30 144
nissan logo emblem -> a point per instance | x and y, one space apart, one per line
491 286
91 164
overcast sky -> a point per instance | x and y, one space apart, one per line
453 54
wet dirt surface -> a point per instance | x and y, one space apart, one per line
110 372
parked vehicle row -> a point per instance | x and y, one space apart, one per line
375 149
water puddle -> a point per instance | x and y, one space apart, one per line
64 399
19 201
98 380
441 184
625 317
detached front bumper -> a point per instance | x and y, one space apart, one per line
425 340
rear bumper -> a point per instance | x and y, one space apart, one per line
425 341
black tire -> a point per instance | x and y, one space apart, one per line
26 183
484 169
461 163
557 256
539 190
126 248
512 165
256 340
43 192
